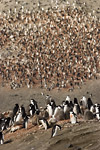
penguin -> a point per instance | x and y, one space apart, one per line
31 110
2 124
44 122
15 110
68 98
1 138
19 116
75 101
55 129
56 110
66 106
76 109
89 103
97 108
92 109
23 111
84 102
50 110
25 122
71 104
73 117
53 104
7 122
33 102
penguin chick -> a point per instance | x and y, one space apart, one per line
55 129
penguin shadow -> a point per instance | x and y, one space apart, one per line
8 141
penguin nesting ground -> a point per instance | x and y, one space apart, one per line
73 117
1 138
55 129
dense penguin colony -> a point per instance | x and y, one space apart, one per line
54 47
72 111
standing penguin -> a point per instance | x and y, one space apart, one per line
50 110
68 98
19 116
97 108
73 117
15 110
31 110
55 129
84 102
53 104
23 111
34 103
77 109
1 138
25 123
89 103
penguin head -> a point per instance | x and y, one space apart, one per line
68 98
75 101
33 102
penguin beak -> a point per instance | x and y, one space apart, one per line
71 115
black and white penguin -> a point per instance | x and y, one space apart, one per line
34 102
66 106
23 111
31 110
2 124
68 98
19 115
73 117
55 129
97 109
50 110
75 101
76 109
83 102
53 104
89 103
44 123
15 110
7 122
25 122
1 138
71 104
